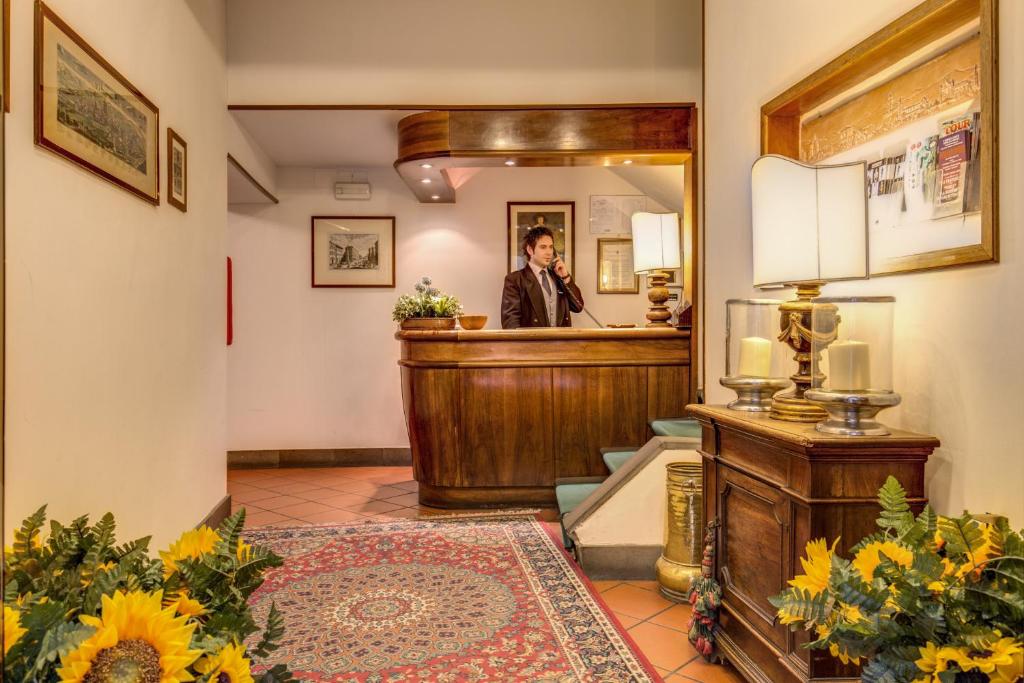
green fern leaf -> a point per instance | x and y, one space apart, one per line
272 634
29 531
963 535
895 515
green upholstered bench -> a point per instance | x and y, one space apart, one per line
675 427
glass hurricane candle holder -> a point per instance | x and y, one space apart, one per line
755 359
851 363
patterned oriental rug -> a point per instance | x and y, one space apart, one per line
483 598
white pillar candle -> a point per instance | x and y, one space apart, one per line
849 366
755 357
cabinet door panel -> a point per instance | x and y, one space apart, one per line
755 541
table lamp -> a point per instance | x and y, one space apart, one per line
809 228
655 248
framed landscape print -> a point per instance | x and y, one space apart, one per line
353 251
90 114
177 171
559 217
615 267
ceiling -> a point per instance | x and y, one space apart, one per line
319 138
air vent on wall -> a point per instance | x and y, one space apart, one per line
351 190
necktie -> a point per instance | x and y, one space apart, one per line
544 282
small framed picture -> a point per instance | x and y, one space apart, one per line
177 171
90 114
353 251
615 267
559 217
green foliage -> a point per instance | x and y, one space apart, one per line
428 302
52 583
955 584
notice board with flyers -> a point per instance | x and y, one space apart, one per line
917 102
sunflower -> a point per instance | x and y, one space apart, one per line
244 551
192 544
184 604
227 666
1008 673
135 639
817 565
12 628
869 557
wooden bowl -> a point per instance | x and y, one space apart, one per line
472 322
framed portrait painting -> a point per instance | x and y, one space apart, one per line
90 114
559 217
177 171
353 251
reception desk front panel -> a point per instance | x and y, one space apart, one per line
494 417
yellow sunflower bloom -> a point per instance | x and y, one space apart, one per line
934 660
868 559
817 565
1000 653
184 604
192 545
227 666
12 628
135 639
1009 673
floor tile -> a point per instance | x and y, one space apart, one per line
662 672
252 495
627 621
334 516
677 617
265 517
337 499
316 495
636 602
275 502
303 509
664 647
401 513
363 488
602 586
705 672
404 499
407 485
294 487
646 585
373 507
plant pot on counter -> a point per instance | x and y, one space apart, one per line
428 324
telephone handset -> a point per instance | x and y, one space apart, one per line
574 304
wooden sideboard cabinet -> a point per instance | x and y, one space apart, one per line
773 486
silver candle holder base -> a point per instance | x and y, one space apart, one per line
852 413
754 394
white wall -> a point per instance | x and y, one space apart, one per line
463 51
249 154
115 308
957 330
317 368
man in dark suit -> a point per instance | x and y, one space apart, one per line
535 296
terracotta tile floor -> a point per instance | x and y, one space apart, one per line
346 495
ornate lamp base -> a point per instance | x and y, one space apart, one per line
852 413
658 314
789 408
754 394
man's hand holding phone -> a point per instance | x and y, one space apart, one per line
558 266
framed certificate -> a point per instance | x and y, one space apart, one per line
615 267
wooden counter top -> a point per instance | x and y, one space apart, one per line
543 334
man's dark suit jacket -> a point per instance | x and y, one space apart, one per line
522 301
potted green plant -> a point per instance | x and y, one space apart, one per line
427 309
928 599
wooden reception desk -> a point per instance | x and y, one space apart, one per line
495 416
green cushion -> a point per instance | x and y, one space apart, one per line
571 495
675 427
616 459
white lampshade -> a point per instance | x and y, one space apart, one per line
655 241
809 222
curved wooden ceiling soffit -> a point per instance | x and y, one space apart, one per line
434 145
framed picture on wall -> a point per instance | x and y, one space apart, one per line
559 217
177 171
90 114
353 251
615 267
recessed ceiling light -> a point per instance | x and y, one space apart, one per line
510 162
425 181
426 166
628 161
435 196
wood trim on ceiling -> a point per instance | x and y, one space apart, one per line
241 169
